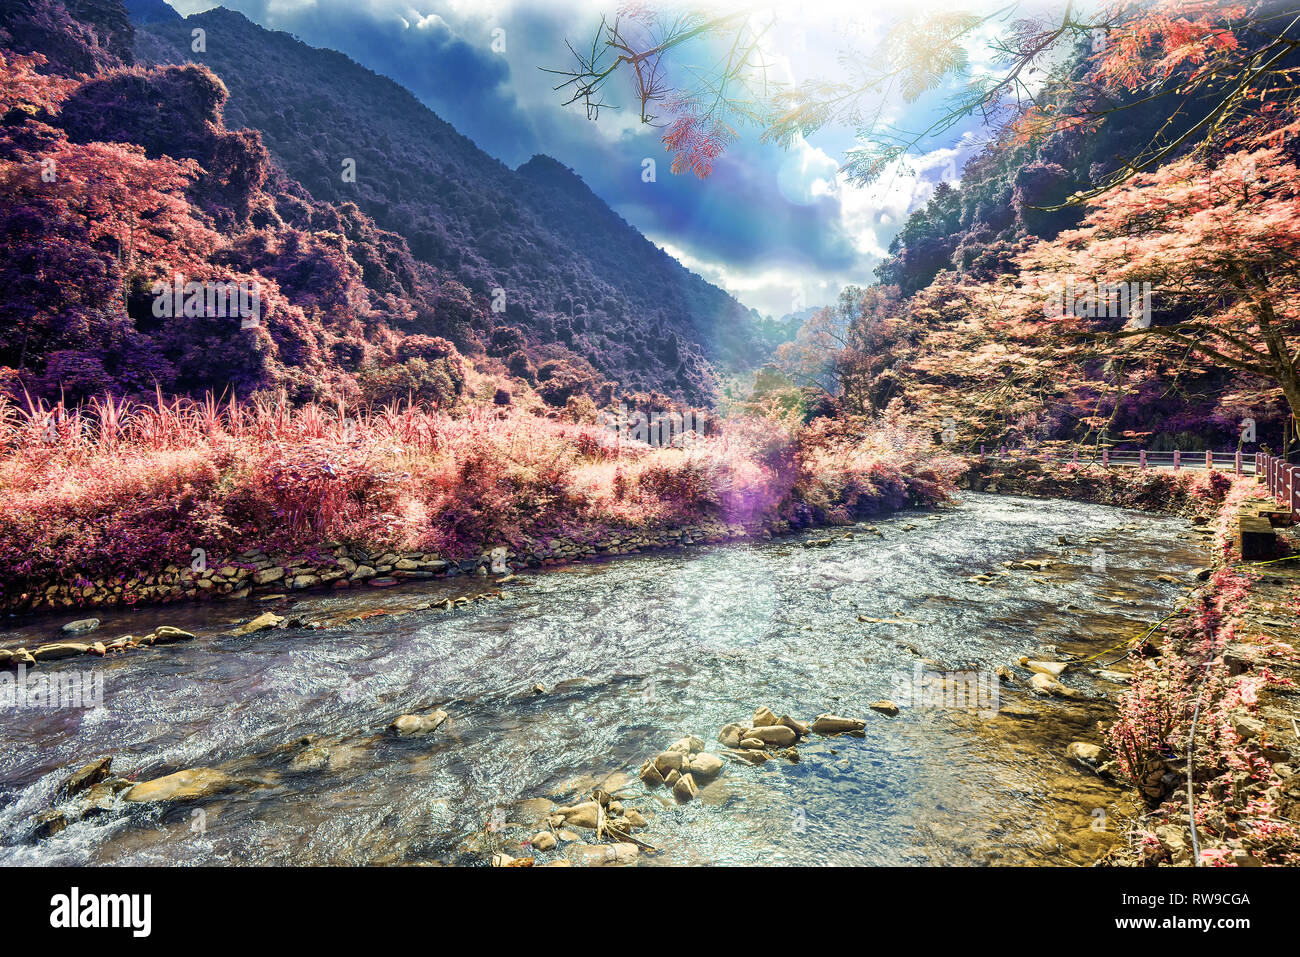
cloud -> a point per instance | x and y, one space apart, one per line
770 225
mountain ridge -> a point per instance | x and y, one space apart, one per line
579 282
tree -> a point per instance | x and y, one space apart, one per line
1213 61
1220 244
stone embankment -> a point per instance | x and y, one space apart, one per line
338 567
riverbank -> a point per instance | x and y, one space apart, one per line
1207 732
190 501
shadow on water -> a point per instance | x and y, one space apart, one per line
632 654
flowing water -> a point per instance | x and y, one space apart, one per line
632 653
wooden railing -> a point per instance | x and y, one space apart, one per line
1281 479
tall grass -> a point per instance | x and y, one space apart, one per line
116 487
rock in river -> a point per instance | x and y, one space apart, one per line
833 724
586 814
885 707
1053 669
81 626
167 635
776 735
685 789
86 777
261 623
409 725
59 649
181 786
1088 755
706 767
732 734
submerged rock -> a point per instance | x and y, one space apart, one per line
687 745
606 855
81 626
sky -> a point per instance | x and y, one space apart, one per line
780 229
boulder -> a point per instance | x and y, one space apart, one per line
1046 685
48 823
731 734
585 814
670 761
778 736
81 626
885 707
81 780
411 725
752 744
764 718
798 727
1053 669
544 840
834 724
1246 725
650 775
685 789
167 635
262 622
705 767
60 649
181 786
1089 755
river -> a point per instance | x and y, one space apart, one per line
631 653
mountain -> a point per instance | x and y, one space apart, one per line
150 11
582 289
